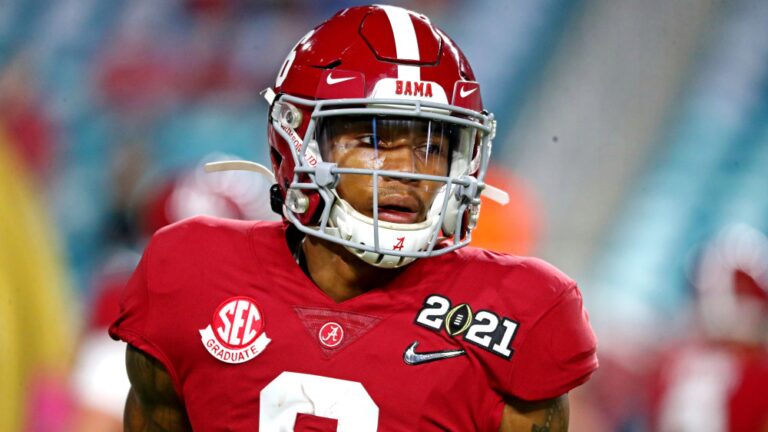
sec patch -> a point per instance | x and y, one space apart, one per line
236 332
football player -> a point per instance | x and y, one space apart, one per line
363 310
715 380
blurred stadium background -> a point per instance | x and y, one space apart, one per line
630 132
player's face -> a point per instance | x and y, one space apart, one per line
392 144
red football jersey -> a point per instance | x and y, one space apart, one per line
251 342
709 387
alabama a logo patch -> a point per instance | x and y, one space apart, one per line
236 332
331 334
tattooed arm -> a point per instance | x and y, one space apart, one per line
550 415
152 405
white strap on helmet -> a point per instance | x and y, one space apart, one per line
240 165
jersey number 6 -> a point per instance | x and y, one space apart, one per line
292 393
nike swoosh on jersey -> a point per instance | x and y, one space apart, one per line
464 94
331 80
411 357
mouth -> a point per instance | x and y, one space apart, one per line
399 209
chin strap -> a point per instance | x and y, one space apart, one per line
495 194
241 165
269 95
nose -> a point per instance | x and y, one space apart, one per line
397 156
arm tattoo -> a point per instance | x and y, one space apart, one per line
557 419
152 403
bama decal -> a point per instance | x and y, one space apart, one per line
236 332
391 88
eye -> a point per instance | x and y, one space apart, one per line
429 148
369 139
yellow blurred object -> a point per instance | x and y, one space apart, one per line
36 322
513 228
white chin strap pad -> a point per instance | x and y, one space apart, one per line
451 211
356 227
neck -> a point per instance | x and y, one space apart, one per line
340 274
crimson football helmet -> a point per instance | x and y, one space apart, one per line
731 281
190 192
370 71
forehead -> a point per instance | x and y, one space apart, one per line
334 126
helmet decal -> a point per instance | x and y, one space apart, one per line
406 44
289 60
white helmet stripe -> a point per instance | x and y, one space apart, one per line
406 44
